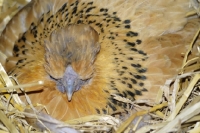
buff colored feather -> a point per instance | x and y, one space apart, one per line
141 45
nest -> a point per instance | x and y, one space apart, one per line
178 111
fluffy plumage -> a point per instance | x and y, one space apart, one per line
138 50
69 57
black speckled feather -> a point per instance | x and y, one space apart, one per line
128 64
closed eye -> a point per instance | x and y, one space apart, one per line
53 78
58 81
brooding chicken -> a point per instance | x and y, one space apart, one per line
86 50
72 51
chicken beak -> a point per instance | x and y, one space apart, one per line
70 82
69 96
70 89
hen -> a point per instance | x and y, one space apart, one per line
84 51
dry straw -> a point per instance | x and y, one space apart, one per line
179 110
